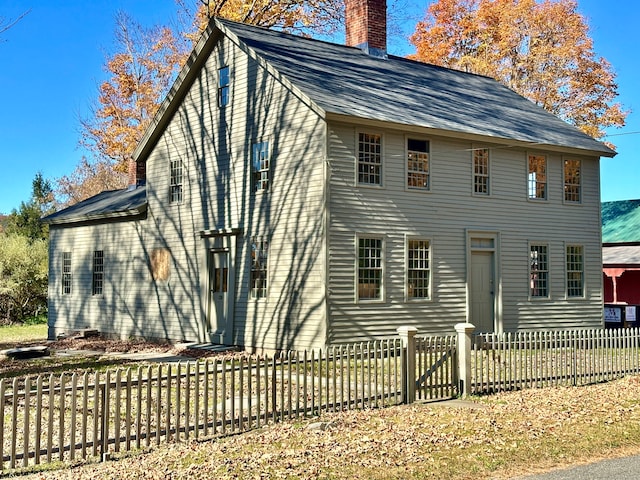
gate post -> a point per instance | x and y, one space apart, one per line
408 337
464 331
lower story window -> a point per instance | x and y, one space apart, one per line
575 271
369 268
539 271
66 273
259 255
98 273
418 269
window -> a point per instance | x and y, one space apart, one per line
418 269
418 164
539 271
260 167
175 181
575 271
481 171
66 273
537 177
259 255
223 86
572 190
98 273
369 269
369 159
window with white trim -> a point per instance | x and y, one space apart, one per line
97 279
418 269
223 86
575 271
539 270
537 177
481 171
66 273
418 176
175 181
260 166
369 159
259 257
370 268
572 181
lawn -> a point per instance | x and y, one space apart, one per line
15 335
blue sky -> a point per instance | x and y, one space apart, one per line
52 64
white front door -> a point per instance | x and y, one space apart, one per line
218 311
482 291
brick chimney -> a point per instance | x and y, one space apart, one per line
366 22
136 174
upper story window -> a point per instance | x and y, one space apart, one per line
572 181
175 181
66 273
418 269
537 178
260 166
370 266
259 256
575 271
481 171
369 159
97 280
539 270
223 86
418 164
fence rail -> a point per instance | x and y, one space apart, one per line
70 416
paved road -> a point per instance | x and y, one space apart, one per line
626 468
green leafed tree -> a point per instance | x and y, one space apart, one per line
25 220
540 49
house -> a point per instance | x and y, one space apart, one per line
293 193
621 260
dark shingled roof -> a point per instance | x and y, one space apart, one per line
621 221
346 81
109 204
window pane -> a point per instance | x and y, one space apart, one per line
537 177
175 181
418 164
575 271
369 159
260 166
418 269
98 272
369 268
223 86
259 255
66 273
572 181
481 171
539 271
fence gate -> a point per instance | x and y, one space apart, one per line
436 368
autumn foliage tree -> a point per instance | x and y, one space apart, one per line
542 50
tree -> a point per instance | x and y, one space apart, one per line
25 221
7 23
542 50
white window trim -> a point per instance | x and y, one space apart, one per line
526 177
566 273
406 167
564 200
383 259
473 171
356 156
548 296
408 299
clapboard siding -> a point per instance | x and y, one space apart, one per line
444 215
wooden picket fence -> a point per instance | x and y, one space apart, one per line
518 360
77 416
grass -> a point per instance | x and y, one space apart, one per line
13 335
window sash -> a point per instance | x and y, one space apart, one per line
369 159
259 258
537 179
223 86
575 271
261 166
175 181
418 269
370 272
539 271
572 181
98 273
66 273
418 164
481 171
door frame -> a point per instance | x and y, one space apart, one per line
491 244
223 241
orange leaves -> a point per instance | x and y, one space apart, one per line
542 50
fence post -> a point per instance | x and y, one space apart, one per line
408 337
464 331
